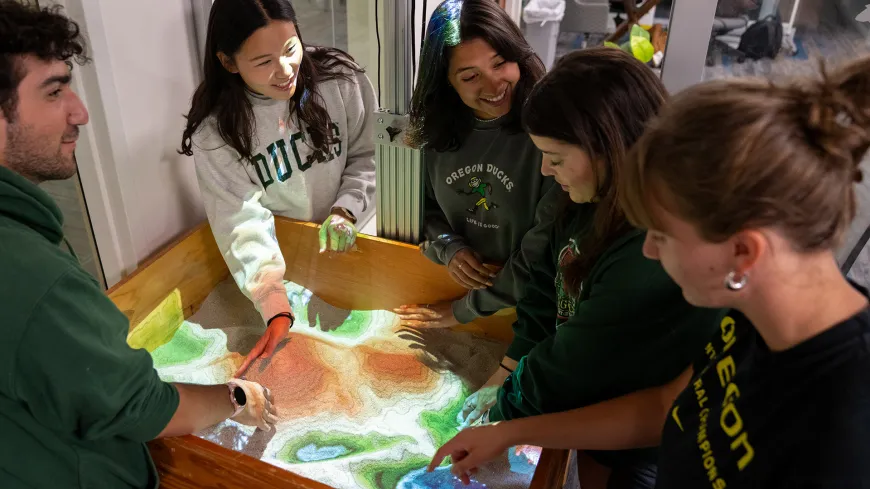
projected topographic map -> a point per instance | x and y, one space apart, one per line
362 402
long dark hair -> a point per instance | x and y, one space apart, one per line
599 99
223 94
439 119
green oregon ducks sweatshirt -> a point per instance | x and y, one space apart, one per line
630 328
76 403
490 196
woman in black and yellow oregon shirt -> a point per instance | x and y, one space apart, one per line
597 320
746 188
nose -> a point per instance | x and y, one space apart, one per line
78 115
650 250
490 84
287 69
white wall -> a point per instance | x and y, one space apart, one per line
141 193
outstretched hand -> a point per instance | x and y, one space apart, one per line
428 317
275 333
473 448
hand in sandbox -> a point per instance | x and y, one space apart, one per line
477 405
337 233
473 448
259 409
430 316
275 333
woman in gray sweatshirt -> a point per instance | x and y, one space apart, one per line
487 207
277 128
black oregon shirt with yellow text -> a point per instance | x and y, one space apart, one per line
754 418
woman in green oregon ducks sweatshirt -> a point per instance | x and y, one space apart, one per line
485 196
597 320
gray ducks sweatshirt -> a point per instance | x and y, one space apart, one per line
284 177
490 196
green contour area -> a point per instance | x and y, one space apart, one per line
441 424
184 347
354 326
386 474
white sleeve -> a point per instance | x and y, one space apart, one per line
357 190
243 228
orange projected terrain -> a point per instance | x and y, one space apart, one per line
363 403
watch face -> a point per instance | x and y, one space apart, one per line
240 396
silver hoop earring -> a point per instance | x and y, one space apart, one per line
732 284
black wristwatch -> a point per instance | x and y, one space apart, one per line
237 397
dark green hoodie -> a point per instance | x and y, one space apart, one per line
76 403
630 328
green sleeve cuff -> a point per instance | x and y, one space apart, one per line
462 312
495 413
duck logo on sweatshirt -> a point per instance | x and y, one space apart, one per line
481 188
565 302
277 157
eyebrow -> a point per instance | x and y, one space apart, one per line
62 79
460 70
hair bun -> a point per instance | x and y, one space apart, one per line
835 112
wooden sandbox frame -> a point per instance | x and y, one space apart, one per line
383 275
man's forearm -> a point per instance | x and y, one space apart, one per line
199 406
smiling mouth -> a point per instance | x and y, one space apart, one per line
286 85
496 100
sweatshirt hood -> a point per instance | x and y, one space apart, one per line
24 202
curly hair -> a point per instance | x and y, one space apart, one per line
30 31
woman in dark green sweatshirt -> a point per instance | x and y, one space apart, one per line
598 320
484 189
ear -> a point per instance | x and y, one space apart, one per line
227 63
747 247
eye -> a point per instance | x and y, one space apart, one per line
501 63
656 237
55 93
556 162
472 77
264 63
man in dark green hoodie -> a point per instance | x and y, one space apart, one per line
76 403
